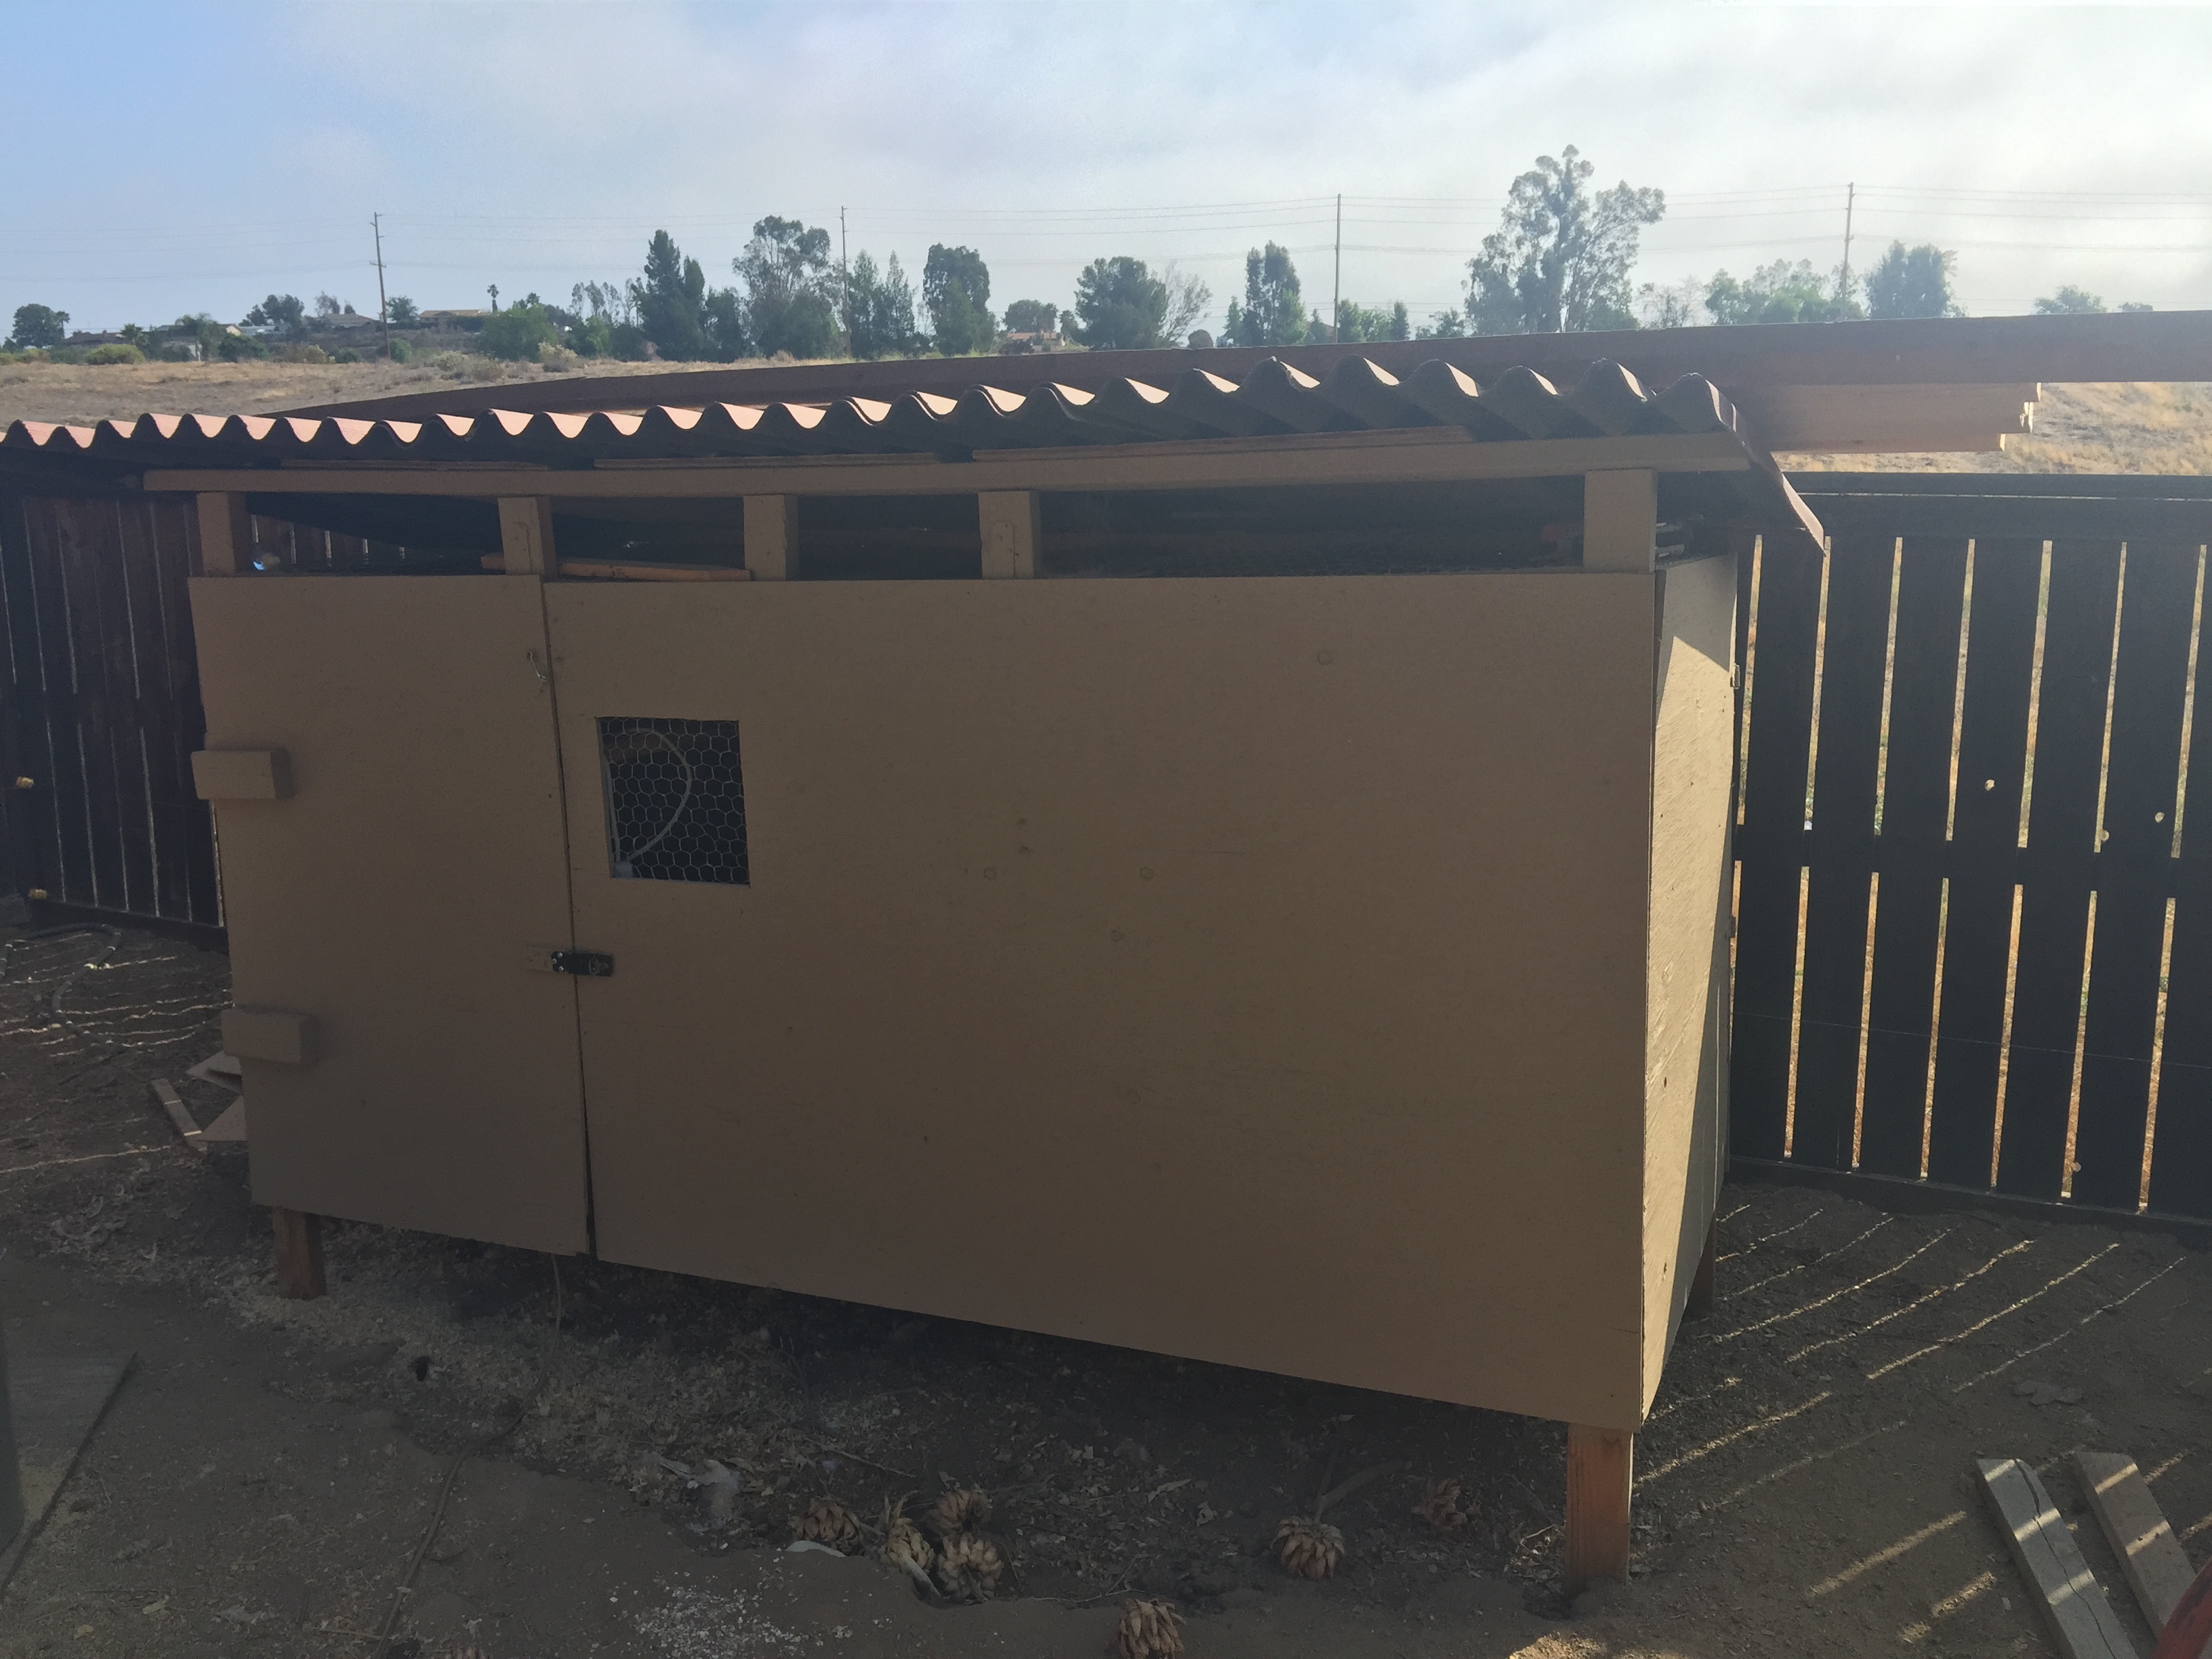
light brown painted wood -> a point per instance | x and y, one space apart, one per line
2081 1621
632 570
226 534
242 774
1424 455
2157 1568
387 898
1873 418
1699 1304
1094 934
1600 1476
1685 1054
771 537
277 1035
1013 528
1620 519
299 1252
525 535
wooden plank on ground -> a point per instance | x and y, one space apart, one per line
2081 1621
57 1402
1985 832
187 1129
2157 1569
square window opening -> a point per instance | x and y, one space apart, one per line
675 800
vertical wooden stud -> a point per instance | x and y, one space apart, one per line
299 1254
771 537
1012 526
1699 1302
1621 520
1600 1471
525 534
226 536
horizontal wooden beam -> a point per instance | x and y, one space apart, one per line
1428 455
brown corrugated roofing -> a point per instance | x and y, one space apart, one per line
1355 394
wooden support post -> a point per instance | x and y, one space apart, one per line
226 536
2157 1569
1012 527
1600 1471
1699 1302
771 537
525 534
299 1254
1621 520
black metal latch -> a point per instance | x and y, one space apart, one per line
584 964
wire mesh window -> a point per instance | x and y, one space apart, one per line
676 799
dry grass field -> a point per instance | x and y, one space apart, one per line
2155 428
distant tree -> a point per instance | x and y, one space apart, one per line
1189 299
1781 293
283 313
517 332
198 331
38 328
2070 301
1273 312
329 304
672 295
615 302
2134 305
1356 322
1913 282
239 348
1120 305
881 305
1032 317
1671 305
1442 326
400 311
1561 258
955 291
791 296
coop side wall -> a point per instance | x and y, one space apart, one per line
1685 1055
1251 970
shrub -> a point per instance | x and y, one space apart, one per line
482 368
515 334
119 351
555 359
345 355
626 342
302 353
402 352
240 347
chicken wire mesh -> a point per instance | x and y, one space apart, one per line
676 799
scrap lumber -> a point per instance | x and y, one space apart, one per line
2081 1621
187 1130
2157 1569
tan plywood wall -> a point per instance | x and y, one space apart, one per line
1686 1062
390 897
1246 969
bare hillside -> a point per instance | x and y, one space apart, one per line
2156 426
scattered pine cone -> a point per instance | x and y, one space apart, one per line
1439 1507
1148 1630
961 1509
905 1548
1309 1549
829 1522
968 1566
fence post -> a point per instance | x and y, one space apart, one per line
11 1477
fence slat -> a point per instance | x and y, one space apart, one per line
28 838
1916 797
2158 596
1841 848
61 768
1977 939
176 528
2054 915
169 792
99 540
2181 1145
1771 844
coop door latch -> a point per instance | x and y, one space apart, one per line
556 959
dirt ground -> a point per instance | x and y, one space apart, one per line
268 1473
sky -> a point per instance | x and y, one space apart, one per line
183 157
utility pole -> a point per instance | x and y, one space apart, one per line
383 312
1850 201
845 278
1336 299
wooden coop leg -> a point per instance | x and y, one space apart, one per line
299 1254
1699 1304
1601 1465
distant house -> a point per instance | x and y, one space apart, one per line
469 321
80 337
1019 345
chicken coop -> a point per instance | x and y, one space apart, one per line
1234 864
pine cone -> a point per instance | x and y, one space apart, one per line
1148 1630
962 1509
829 1522
968 1566
1439 1507
1311 1549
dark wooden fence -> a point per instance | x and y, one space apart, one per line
1974 910
1974 900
